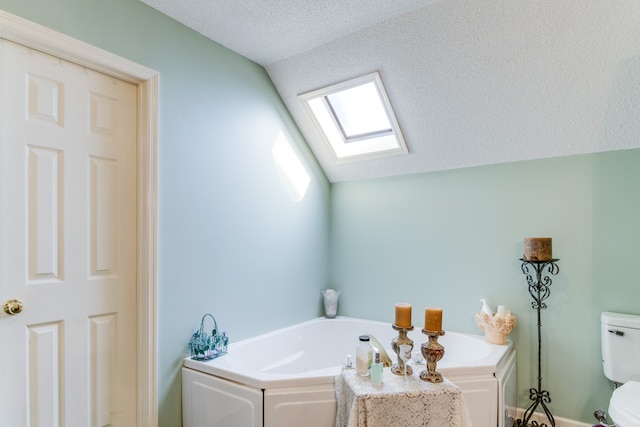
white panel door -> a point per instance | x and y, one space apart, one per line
67 243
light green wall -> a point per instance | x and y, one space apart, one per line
450 238
230 240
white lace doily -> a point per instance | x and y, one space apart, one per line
398 401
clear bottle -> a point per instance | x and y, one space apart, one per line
363 356
376 369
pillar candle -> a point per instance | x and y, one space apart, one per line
403 315
537 249
433 319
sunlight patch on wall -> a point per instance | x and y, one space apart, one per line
294 176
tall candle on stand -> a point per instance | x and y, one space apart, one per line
403 315
433 319
537 249
432 350
402 344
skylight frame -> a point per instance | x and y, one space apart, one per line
364 146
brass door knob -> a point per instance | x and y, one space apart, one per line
13 306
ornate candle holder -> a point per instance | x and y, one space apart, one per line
432 351
401 368
539 288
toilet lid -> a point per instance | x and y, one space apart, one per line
623 408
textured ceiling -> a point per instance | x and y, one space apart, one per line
472 82
267 31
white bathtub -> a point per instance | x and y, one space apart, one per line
286 377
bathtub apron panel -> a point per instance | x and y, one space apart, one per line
208 401
300 406
481 398
507 404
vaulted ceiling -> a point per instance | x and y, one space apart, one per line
472 82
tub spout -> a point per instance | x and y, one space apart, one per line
384 357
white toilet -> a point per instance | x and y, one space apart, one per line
621 362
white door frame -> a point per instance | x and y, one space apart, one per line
35 36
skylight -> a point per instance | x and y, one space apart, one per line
359 112
356 119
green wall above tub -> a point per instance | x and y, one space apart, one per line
450 238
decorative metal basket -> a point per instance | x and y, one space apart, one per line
205 346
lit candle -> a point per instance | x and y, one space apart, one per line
403 315
433 319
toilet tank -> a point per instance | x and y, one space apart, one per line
620 337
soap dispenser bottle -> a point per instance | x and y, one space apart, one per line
376 369
485 308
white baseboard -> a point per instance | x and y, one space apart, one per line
560 422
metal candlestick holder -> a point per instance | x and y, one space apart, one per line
432 351
401 368
539 288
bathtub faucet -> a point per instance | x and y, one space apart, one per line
384 357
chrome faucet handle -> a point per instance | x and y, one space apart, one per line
348 364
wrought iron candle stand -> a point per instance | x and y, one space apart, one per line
432 351
539 291
401 368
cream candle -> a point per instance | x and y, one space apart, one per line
403 315
433 319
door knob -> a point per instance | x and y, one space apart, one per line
13 306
